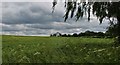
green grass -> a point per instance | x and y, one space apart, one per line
31 49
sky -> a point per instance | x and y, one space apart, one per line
36 18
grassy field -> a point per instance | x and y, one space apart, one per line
31 49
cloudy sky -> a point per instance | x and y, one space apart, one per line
36 18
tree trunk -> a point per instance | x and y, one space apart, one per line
118 22
118 29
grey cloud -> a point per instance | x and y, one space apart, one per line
33 13
38 19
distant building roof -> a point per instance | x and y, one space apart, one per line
57 34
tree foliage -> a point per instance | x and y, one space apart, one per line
100 9
112 30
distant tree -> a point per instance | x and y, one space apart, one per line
69 35
100 34
88 33
54 35
75 35
64 35
51 35
81 34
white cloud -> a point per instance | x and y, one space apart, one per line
27 0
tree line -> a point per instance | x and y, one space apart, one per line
84 34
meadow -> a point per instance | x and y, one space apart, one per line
36 49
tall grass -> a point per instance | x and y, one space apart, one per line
25 49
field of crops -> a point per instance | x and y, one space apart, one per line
31 49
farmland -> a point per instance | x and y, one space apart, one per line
36 49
